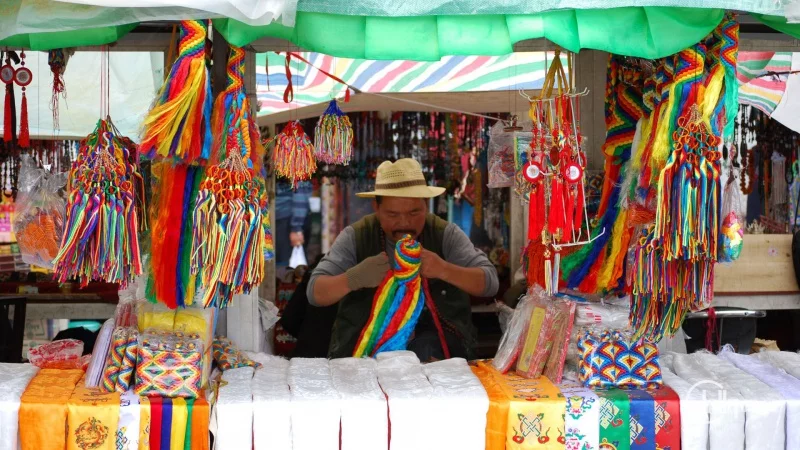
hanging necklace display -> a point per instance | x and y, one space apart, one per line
57 60
7 73
333 135
232 239
100 241
551 179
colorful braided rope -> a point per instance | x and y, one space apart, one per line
397 304
232 113
333 136
729 55
179 124
293 154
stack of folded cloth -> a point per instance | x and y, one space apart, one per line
364 416
694 407
315 405
788 361
413 423
460 402
14 378
726 405
271 403
765 409
235 410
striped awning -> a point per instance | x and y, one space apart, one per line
515 71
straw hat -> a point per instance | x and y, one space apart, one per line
402 178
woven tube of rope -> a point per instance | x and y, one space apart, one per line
397 304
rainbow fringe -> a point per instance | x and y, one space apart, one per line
397 304
232 112
293 155
333 136
179 124
100 241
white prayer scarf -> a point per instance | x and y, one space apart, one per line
460 402
582 416
234 410
726 406
413 424
694 411
315 405
272 416
786 385
14 378
765 409
365 419
788 361
129 416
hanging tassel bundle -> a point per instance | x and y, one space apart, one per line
397 304
57 60
179 124
100 241
23 77
231 238
333 136
293 154
233 104
9 106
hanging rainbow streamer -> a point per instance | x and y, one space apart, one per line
293 155
179 124
233 105
333 136
397 304
231 239
624 108
100 241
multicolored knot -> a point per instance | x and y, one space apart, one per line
333 136
293 154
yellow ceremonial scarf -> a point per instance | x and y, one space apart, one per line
535 412
144 423
93 419
180 414
43 409
497 416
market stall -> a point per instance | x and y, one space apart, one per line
180 219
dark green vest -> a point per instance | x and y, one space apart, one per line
354 309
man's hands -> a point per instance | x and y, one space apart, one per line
368 273
433 266
296 238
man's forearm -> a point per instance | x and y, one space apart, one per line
471 280
329 289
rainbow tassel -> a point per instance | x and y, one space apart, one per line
100 240
333 136
179 124
231 239
293 155
233 105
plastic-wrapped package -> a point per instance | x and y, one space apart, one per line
365 424
731 233
155 316
40 210
501 157
562 331
64 354
227 355
610 358
315 405
601 314
408 391
547 316
460 402
234 410
97 364
170 364
118 374
271 403
513 336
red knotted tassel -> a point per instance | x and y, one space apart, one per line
24 131
556 218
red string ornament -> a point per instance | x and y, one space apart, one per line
57 60
9 116
23 77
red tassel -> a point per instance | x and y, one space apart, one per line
24 131
556 219
347 96
8 128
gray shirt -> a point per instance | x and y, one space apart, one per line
456 248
